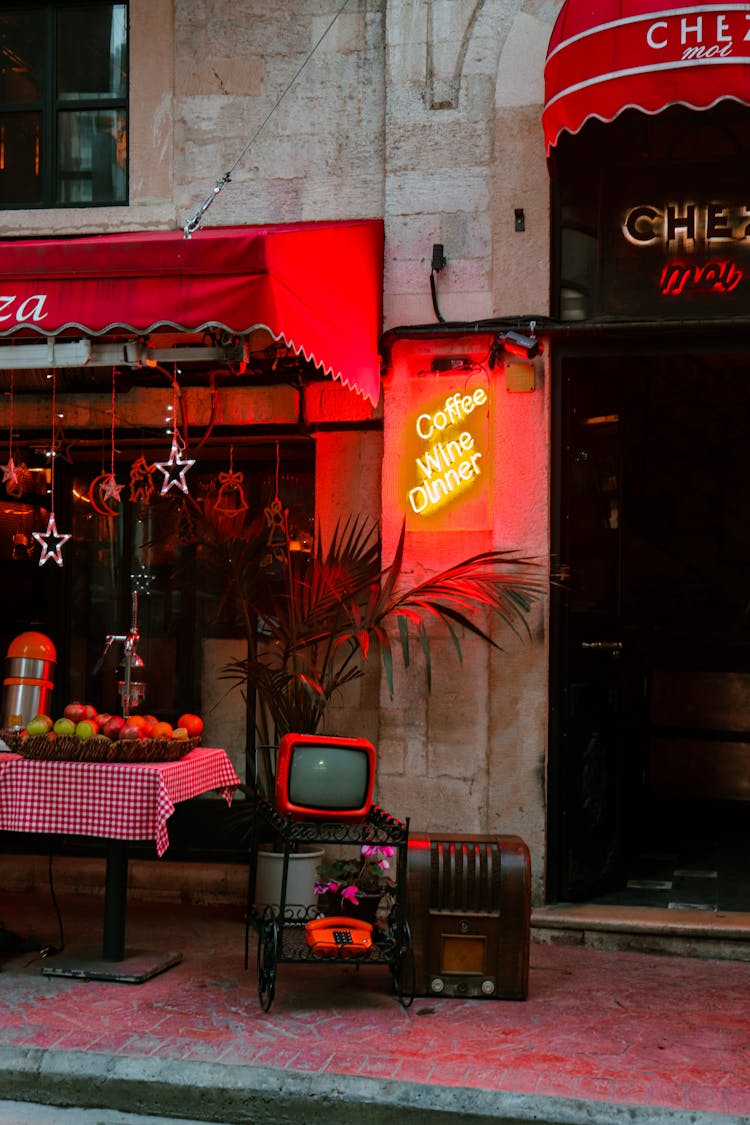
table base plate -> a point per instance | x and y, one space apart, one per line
137 965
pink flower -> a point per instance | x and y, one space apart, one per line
350 893
374 850
325 888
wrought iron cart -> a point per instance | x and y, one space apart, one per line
281 928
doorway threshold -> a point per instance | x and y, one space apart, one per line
720 935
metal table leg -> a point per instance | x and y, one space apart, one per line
115 900
114 964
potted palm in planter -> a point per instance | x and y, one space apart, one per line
312 620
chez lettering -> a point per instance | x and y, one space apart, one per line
685 223
448 465
698 35
691 228
24 309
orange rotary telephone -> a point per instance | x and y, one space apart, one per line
339 937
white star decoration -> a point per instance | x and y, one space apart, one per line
174 470
51 542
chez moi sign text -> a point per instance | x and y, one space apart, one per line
699 35
698 241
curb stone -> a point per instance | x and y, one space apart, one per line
213 1092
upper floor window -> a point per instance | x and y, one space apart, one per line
63 104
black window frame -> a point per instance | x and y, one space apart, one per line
51 104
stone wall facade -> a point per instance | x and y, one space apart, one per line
426 113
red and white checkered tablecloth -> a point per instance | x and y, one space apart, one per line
114 800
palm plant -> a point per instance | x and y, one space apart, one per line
312 626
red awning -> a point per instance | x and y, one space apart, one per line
606 57
315 286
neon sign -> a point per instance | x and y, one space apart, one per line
713 277
446 460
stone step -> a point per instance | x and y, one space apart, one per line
684 933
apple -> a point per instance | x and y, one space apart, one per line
86 729
131 731
112 727
64 726
89 712
179 733
193 724
44 719
102 718
37 726
75 712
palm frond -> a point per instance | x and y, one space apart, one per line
321 621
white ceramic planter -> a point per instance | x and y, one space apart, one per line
300 893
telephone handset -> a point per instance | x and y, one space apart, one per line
339 937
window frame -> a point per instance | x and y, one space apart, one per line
51 104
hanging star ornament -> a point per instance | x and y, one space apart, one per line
10 472
110 488
51 542
174 469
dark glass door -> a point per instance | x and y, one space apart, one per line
653 534
592 708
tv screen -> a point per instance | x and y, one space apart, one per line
324 778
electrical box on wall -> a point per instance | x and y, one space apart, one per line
519 376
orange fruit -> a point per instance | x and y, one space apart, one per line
193 724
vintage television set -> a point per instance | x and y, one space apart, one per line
324 778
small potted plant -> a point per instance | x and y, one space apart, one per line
357 886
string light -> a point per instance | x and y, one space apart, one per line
51 541
175 467
10 470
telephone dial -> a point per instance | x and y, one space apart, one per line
339 937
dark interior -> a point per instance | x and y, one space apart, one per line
651 746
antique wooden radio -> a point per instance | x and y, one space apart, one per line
468 903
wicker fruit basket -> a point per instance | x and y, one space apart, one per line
65 748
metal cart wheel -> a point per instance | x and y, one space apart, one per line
403 966
268 940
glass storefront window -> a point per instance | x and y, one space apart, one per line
180 565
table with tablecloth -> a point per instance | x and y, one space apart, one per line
115 801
